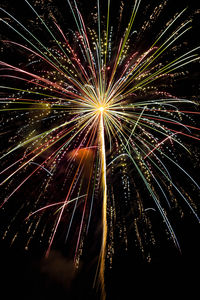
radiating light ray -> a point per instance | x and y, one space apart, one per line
41 167
54 204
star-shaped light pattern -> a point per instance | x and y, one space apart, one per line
88 110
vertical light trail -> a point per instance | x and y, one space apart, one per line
104 205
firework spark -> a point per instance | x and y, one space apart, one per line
87 107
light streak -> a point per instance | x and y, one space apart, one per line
104 206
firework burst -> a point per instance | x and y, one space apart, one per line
90 110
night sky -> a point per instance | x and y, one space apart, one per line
26 274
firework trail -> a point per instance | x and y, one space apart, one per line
87 107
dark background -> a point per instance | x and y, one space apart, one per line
26 275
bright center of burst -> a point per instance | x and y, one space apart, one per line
101 108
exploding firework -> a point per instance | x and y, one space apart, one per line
91 129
